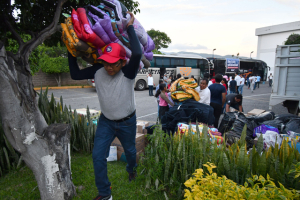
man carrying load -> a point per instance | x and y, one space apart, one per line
118 118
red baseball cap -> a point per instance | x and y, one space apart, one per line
113 52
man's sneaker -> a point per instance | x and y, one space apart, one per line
103 198
132 176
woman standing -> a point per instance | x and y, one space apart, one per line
162 93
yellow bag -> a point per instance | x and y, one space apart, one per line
188 82
192 92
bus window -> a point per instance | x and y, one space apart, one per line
191 63
159 62
203 66
166 62
177 62
152 62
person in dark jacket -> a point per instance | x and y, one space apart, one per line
218 97
118 118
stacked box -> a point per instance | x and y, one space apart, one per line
141 125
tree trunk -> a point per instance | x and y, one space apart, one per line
45 149
58 80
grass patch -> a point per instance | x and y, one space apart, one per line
21 184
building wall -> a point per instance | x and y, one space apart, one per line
43 79
270 37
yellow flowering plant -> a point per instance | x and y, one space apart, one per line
211 186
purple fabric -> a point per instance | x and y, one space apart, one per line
149 55
263 129
98 29
106 25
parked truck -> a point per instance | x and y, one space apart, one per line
286 81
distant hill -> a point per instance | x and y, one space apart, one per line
205 55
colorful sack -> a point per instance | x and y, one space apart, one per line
75 46
83 29
188 82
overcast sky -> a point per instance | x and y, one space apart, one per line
227 25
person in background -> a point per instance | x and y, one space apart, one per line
165 79
257 82
248 81
223 82
118 111
242 83
238 81
150 84
234 101
204 92
170 98
157 88
171 78
162 93
217 98
226 77
270 80
206 75
169 84
232 86
178 76
213 80
252 80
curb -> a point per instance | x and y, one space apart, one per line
62 87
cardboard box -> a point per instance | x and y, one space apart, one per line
139 143
122 157
256 112
140 126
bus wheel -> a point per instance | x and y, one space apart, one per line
140 85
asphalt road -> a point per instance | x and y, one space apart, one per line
146 106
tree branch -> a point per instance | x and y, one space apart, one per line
47 32
14 33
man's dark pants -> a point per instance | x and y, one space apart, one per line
217 112
270 82
150 90
106 132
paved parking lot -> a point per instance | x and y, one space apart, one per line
146 106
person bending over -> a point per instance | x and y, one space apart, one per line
234 101
114 81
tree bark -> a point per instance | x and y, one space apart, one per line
45 149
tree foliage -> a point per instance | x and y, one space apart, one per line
33 17
54 59
160 39
293 39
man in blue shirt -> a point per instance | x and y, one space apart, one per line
217 98
257 82
232 86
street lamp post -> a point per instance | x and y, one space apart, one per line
213 53
250 54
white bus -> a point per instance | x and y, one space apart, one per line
172 65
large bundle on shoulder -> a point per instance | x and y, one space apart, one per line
89 30
183 89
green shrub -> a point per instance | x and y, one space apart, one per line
212 186
293 39
171 160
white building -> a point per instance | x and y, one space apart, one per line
271 36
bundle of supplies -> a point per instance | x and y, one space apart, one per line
89 30
183 89
213 133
